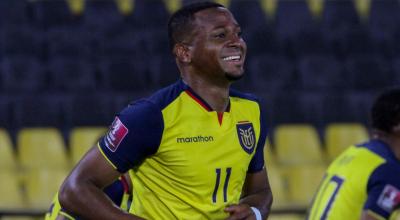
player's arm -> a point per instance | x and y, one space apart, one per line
81 193
134 135
366 215
256 193
383 191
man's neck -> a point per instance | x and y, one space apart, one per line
217 96
392 141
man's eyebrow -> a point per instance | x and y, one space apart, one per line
223 27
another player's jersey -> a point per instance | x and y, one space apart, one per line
118 192
185 160
364 177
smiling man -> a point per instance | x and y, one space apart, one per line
194 150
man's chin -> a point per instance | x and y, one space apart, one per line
233 77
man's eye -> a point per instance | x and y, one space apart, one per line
239 33
221 35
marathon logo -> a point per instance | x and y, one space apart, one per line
196 139
117 133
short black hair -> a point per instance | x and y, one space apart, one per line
180 23
385 112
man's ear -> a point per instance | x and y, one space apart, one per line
183 53
396 129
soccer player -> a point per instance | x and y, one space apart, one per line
364 181
119 192
194 150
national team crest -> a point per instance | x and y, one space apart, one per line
247 136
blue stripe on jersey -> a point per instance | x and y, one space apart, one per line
257 162
382 176
381 148
145 125
115 191
162 98
385 174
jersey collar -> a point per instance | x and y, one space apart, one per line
198 99
381 148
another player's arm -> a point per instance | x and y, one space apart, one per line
81 193
383 189
366 215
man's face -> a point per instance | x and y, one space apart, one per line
218 49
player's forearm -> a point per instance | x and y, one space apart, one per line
89 202
262 200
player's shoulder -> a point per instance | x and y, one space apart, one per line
245 99
243 95
163 97
157 101
384 172
380 149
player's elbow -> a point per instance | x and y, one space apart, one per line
68 193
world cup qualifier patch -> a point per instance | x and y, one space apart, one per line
116 134
246 135
389 198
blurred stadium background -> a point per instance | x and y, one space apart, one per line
67 66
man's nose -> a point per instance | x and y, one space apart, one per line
236 41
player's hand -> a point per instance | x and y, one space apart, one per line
240 212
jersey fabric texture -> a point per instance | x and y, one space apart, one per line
118 192
364 177
186 161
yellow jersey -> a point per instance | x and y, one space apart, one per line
185 160
364 177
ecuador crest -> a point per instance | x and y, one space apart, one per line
246 135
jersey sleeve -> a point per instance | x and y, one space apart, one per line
383 190
134 135
257 162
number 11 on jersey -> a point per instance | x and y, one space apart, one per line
217 183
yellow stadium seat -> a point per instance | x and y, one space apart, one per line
76 6
41 185
297 144
172 5
40 148
269 7
83 138
19 218
226 3
7 157
340 136
125 7
269 154
316 7
278 187
286 217
303 181
363 8
11 196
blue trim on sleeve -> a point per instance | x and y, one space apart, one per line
257 162
248 96
380 148
115 191
385 174
145 125
165 96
